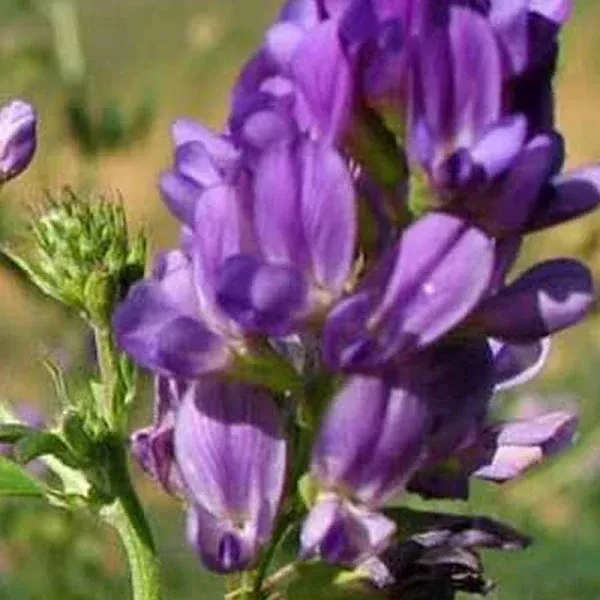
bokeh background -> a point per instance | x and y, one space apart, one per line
130 67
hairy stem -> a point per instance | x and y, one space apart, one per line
109 373
126 515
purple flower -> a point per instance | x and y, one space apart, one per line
425 285
231 452
17 138
304 219
440 556
153 446
549 297
514 447
170 323
203 160
369 443
495 452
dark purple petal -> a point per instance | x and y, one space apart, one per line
223 546
506 253
187 348
18 139
520 189
231 453
568 196
456 93
260 296
515 364
549 297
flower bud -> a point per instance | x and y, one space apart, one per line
17 138
84 256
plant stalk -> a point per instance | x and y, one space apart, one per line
126 515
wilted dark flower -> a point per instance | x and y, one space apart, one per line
439 557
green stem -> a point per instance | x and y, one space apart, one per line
109 373
126 515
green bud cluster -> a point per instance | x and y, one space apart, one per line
83 254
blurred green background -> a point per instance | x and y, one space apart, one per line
179 58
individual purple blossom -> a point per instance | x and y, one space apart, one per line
369 443
521 444
18 138
496 452
304 221
299 81
549 297
423 287
203 159
166 323
231 452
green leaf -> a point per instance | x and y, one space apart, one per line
13 432
44 443
16 481
320 581
26 273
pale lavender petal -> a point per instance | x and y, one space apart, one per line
497 149
276 206
322 72
557 11
193 162
223 546
221 230
328 215
222 151
477 72
522 444
231 451
510 20
282 40
180 195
